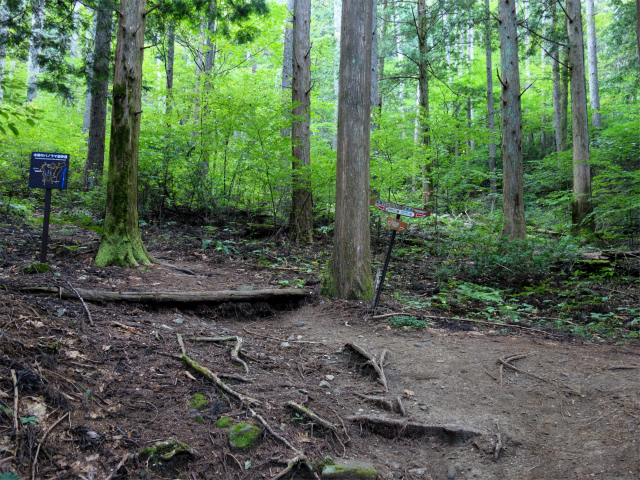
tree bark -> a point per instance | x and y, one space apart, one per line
4 17
581 204
349 274
121 243
101 66
178 297
337 23
287 60
374 60
301 218
638 30
35 48
592 52
491 123
423 97
90 37
513 195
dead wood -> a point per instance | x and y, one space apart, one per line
265 295
84 305
400 406
305 412
372 362
44 437
15 399
392 428
234 353
122 462
394 405
219 383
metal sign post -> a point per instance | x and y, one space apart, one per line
397 226
51 172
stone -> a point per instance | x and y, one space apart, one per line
349 470
325 384
451 472
285 344
329 377
417 471
244 436
178 320
301 324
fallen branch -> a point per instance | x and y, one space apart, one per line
44 437
380 401
219 383
504 361
371 361
234 353
15 400
180 297
84 305
122 462
400 405
280 438
395 428
305 412
294 462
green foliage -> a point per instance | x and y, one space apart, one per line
9 476
407 322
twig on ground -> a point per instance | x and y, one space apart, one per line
219 383
294 462
181 343
372 362
401 409
122 462
622 367
126 327
280 438
44 437
84 305
305 412
234 353
491 376
280 339
15 399
499 445
504 361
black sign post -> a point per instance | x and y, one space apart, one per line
51 172
396 226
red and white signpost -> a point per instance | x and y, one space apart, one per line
397 226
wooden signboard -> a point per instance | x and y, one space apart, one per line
397 225
398 209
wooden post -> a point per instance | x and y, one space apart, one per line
45 225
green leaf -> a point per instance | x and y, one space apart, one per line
31 122
9 476
13 128
4 132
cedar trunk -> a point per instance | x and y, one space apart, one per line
581 205
513 201
94 165
301 219
592 50
349 275
491 123
121 243
35 48
423 97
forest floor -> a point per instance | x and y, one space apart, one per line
91 397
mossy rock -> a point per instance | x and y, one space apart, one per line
350 470
36 268
198 401
244 436
224 422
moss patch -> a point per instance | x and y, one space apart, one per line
350 471
244 436
223 422
36 268
164 451
198 401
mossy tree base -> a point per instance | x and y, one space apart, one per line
122 251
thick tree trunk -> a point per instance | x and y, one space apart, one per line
381 58
513 201
287 60
374 60
491 123
592 51
35 48
121 243
349 274
88 69
99 91
400 55
301 218
337 23
423 96
581 205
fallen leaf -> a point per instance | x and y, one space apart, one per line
106 347
410 393
189 375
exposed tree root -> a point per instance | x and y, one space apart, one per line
391 427
219 383
305 412
234 353
372 362
394 405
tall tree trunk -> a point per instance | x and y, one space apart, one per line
592 51
512 175
287 60
121 243
169 65
349 274
400 56
423 96
35 48
90 35
73 44
99 91
374 59
581 205
337 23
301 219
381 58
4 17
491 123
